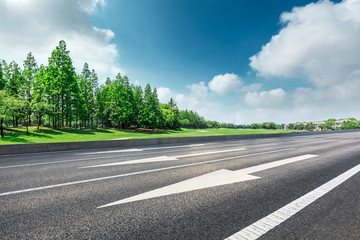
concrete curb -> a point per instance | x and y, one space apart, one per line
65 146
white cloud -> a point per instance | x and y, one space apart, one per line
275 98
222 84
252 87
164 94
198 89
319 41
37 26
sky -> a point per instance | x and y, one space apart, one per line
229 60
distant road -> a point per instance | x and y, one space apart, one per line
296 187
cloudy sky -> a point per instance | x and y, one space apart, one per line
231 61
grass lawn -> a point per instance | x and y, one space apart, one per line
45 135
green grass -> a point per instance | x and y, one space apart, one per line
46 135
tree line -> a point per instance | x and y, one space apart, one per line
56 96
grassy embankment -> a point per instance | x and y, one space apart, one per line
45 135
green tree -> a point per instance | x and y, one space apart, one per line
350 125
2 74
330 123
13 79
195 120
40 109
62 84
172 103
138 106
153 115
14 109
171 116
310 126
29 73
3 110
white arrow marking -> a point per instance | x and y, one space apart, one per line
161 158
217 178
141 172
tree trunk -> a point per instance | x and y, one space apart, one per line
29 116
39 123
26 124
1 127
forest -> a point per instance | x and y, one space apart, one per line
54 95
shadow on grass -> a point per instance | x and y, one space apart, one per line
151 131
58 131
14 139
19 135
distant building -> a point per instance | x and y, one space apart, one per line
317 125
338 124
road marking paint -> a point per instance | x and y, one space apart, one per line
161 158
217 178
138 161
281 215
77 160
140 150
113 151
141 172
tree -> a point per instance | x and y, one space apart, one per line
172 103
29 73
330 123
269 125
2 74
30 70
13 79
24 109
171 116
40 109
350 125
194 120
310 126
3 110
14 109
62 84
138 106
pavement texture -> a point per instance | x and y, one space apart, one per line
57 195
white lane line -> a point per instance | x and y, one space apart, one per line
137 161
281 215
79 160
161 158
141 172
140 150
213 179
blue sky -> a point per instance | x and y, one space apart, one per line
176 43
231 61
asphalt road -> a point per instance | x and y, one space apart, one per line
209 190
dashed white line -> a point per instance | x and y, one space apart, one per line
269 222
162 158
140 149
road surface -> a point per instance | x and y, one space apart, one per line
296 187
